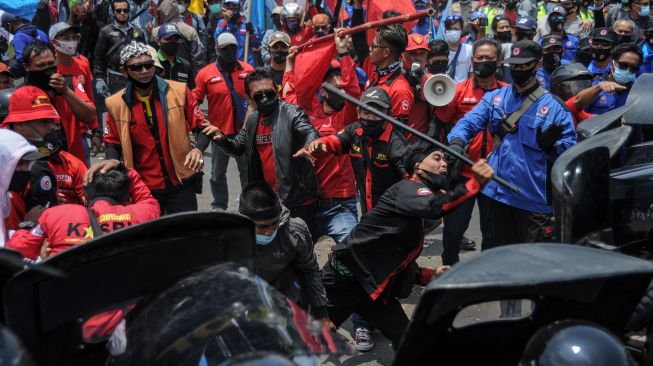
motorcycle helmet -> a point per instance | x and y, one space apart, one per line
568 80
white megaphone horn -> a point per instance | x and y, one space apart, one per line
439 90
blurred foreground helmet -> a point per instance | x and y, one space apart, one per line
292 10
568 80
575 342
5 94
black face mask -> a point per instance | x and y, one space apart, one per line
522 77
438 67
552 60
279 57
19 181
54 141
139 84
227 59
503 36
266 103
434 181
485 69
335 101
601 54
522 36
169 49
583 58
625 38
41 78
556 24
372 128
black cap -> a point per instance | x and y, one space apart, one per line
416 152
527 23
523 52
551 40
377 96
603 34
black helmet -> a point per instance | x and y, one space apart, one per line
5 94
575 342
568 80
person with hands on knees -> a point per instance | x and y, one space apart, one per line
375 265
284 249
117 198
148 127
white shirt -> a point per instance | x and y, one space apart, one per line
463 63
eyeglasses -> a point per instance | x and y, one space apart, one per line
373 46
321 28
626 66
139 67
121 11
269 94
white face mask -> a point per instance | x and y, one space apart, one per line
67 47
453 36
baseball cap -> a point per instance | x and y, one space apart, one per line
226 39
278 10
168 30
559 10
9 18
417 42
477 14
523 52
551 40
603 34
232 2
279 37
29 103
527 23
58 28
4 69
155 57
376 96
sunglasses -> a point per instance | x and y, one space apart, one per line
139 67
269 94
121 11
320 28
626 66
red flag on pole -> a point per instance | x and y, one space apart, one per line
311 64
343 12
375 9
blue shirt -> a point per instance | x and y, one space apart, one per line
605 102
543 78
570 45
239 30
597 72
518 158
647 64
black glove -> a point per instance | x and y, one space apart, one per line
250 28
456 145
546 139
414 77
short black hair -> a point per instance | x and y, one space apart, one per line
497 19
331 73
259 73
449 22
258 196
113 184
34 49
622 48
394 35
438 47
390 14
118 1
485 42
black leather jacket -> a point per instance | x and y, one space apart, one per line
107 50
291 130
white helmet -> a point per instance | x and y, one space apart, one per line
292 10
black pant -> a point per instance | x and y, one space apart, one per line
182 199
512 225
346 296
307 213
456 223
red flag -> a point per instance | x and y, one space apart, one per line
311 64
375 9
343 12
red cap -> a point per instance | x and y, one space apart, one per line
29 103
5 69
417 42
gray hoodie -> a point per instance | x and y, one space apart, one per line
195 52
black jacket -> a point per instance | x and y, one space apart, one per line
291 130
380 160
381 249
109 43
289 260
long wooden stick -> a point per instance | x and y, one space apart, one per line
363 27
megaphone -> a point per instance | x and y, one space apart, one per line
439 90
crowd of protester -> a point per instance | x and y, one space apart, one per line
126 79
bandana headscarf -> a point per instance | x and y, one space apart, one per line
133 49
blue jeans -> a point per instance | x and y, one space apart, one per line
336 217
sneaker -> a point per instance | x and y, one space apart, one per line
364 340
467 244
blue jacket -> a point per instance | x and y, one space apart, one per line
24 36
605 102
239 30
543 78
518 158
647 64
599 73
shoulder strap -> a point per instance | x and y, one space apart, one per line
511 121
451 69
95 225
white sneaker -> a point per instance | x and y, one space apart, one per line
364 340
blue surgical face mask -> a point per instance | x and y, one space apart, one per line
644 11
623 76
453 36
262 239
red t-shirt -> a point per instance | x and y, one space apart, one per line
210 84
579 115
145 144
69 122
81 69
265 152
467 96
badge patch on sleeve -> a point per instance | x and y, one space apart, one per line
423 192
